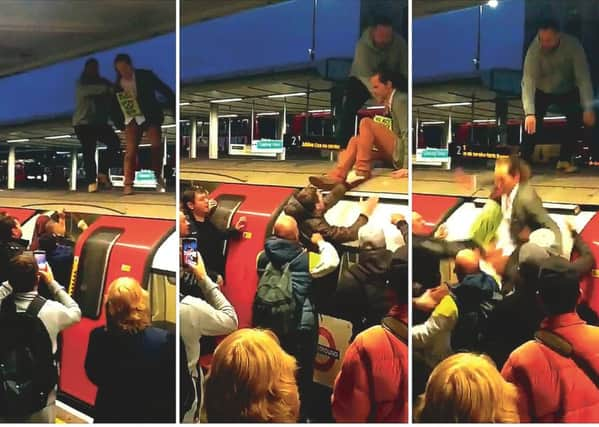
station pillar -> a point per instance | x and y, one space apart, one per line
283 121
193 145
501 113
213 130
73 186
12 161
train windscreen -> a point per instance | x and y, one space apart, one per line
91 271
163 295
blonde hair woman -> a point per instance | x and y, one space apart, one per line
467 388
131 362
252 379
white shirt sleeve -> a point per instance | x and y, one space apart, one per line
329 260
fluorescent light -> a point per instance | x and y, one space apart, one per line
287 95
228 116
118 131
58 137
184 103
493 3
432 123
18 140
174 125
484 121
319 111
452 104
183 121
556 118
221 101
144 145
267 114
375 107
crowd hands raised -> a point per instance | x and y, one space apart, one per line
266 373
510 329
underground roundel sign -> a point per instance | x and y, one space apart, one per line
333 339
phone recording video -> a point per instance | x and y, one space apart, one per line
190 251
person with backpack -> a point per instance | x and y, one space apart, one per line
203 311
283 301
29 328
131 362
557 374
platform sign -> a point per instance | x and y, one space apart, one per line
333 340
434 154
143 179
268 144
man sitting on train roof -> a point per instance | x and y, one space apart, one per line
308 207
354 164
20 293
11 242
378 45
196 206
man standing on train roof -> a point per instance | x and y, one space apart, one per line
556 72
378 45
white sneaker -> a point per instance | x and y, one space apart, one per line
354 179
160 185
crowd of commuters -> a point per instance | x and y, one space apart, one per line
511 330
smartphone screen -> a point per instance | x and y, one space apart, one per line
40 258
190 251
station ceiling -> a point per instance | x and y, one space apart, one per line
430 7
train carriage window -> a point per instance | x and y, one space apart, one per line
163 294
222 216
92 269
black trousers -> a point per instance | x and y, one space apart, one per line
354 97
89 136
568 105
302 345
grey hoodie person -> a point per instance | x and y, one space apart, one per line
368 58
92 102
556 72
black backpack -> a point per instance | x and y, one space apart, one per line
27 369
470 330
274 303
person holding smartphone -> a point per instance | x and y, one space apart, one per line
203 311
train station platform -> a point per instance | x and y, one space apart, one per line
144 203
290 173
580 188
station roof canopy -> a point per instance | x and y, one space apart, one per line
35 33
203 10
433 103
429 7
195 100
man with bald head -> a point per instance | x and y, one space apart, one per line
283 249
454 324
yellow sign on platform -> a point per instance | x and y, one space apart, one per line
126 268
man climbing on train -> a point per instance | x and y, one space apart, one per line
196 206
308 207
